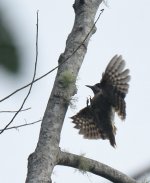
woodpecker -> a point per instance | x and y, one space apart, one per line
96 120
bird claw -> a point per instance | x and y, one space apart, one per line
88 101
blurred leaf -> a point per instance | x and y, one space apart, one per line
8 51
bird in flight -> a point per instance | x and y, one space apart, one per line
96 120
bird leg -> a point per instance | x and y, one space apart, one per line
88 101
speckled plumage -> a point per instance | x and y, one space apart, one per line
96 121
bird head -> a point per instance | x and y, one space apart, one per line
95 88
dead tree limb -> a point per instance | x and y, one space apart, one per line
92 166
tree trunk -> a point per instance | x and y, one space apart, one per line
41 162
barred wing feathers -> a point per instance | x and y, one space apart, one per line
86 124
115 85
84 121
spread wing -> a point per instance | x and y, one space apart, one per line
84 121
115 85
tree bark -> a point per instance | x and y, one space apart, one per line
42 161
95 167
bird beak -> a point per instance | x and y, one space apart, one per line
89 86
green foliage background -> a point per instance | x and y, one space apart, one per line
9 58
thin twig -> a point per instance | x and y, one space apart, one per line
15 111
57 65
34 74
19 126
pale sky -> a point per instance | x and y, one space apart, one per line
123 28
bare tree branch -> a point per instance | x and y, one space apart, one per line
145 171
16 111
92 166
60 64
34 74
19 126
